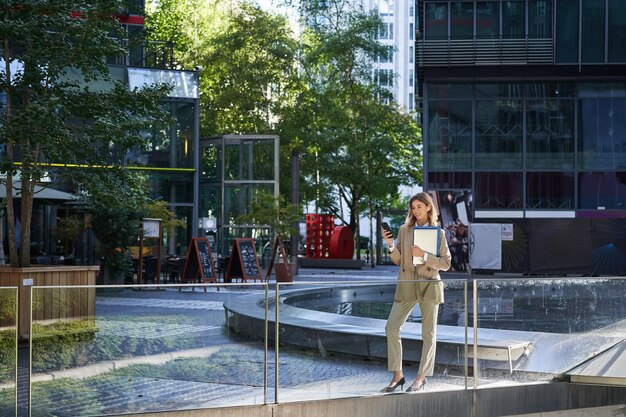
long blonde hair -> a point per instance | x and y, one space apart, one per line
425 198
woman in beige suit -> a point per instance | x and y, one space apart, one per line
416 284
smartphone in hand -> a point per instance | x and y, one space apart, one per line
386 227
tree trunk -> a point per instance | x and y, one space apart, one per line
26 199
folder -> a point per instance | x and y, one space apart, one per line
428 239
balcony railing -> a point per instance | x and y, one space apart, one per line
462 52
148 54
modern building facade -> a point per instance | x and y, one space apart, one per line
168 165
395 70
524 105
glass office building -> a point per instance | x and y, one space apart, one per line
168 165
524 105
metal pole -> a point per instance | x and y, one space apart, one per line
276 332
266 345
475 319
465 315
295 199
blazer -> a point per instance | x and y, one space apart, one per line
419 291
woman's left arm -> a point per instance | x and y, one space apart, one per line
444 260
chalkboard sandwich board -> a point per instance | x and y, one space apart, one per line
243 262
199 263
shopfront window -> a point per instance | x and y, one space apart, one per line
499 133
550 190
602 190
498 190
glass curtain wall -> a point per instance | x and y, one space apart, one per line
234 169
551 146
590 31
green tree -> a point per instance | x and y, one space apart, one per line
357 150
247 58
60 106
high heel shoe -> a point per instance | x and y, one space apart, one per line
416 387
392 388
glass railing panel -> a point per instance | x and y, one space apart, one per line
533 328
333 344
8 351
117 350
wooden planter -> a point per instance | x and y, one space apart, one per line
51 304
284 271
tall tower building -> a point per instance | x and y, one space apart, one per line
396 69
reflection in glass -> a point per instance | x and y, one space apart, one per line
566 32
91 340
8 351
601 145
450 135
487 19
436 21
550 190
550 134
540 19
169 146
617 31
461 20
498 190
592 39
606 190
450 180
513 19
499 132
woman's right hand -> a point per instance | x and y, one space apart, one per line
388 237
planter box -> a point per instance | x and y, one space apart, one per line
284 271
51 304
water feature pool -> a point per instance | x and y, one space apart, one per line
551 306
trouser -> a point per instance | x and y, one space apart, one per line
397 317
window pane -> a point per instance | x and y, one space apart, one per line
461 20
550 190
602 189
550 134
566 31
258 158
436 21
171 186
593 31
449 180
617 31
499 90
498 190
487 20
169 146
499 132
513 19
540 19
445 91
450 133
210 162
602 144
